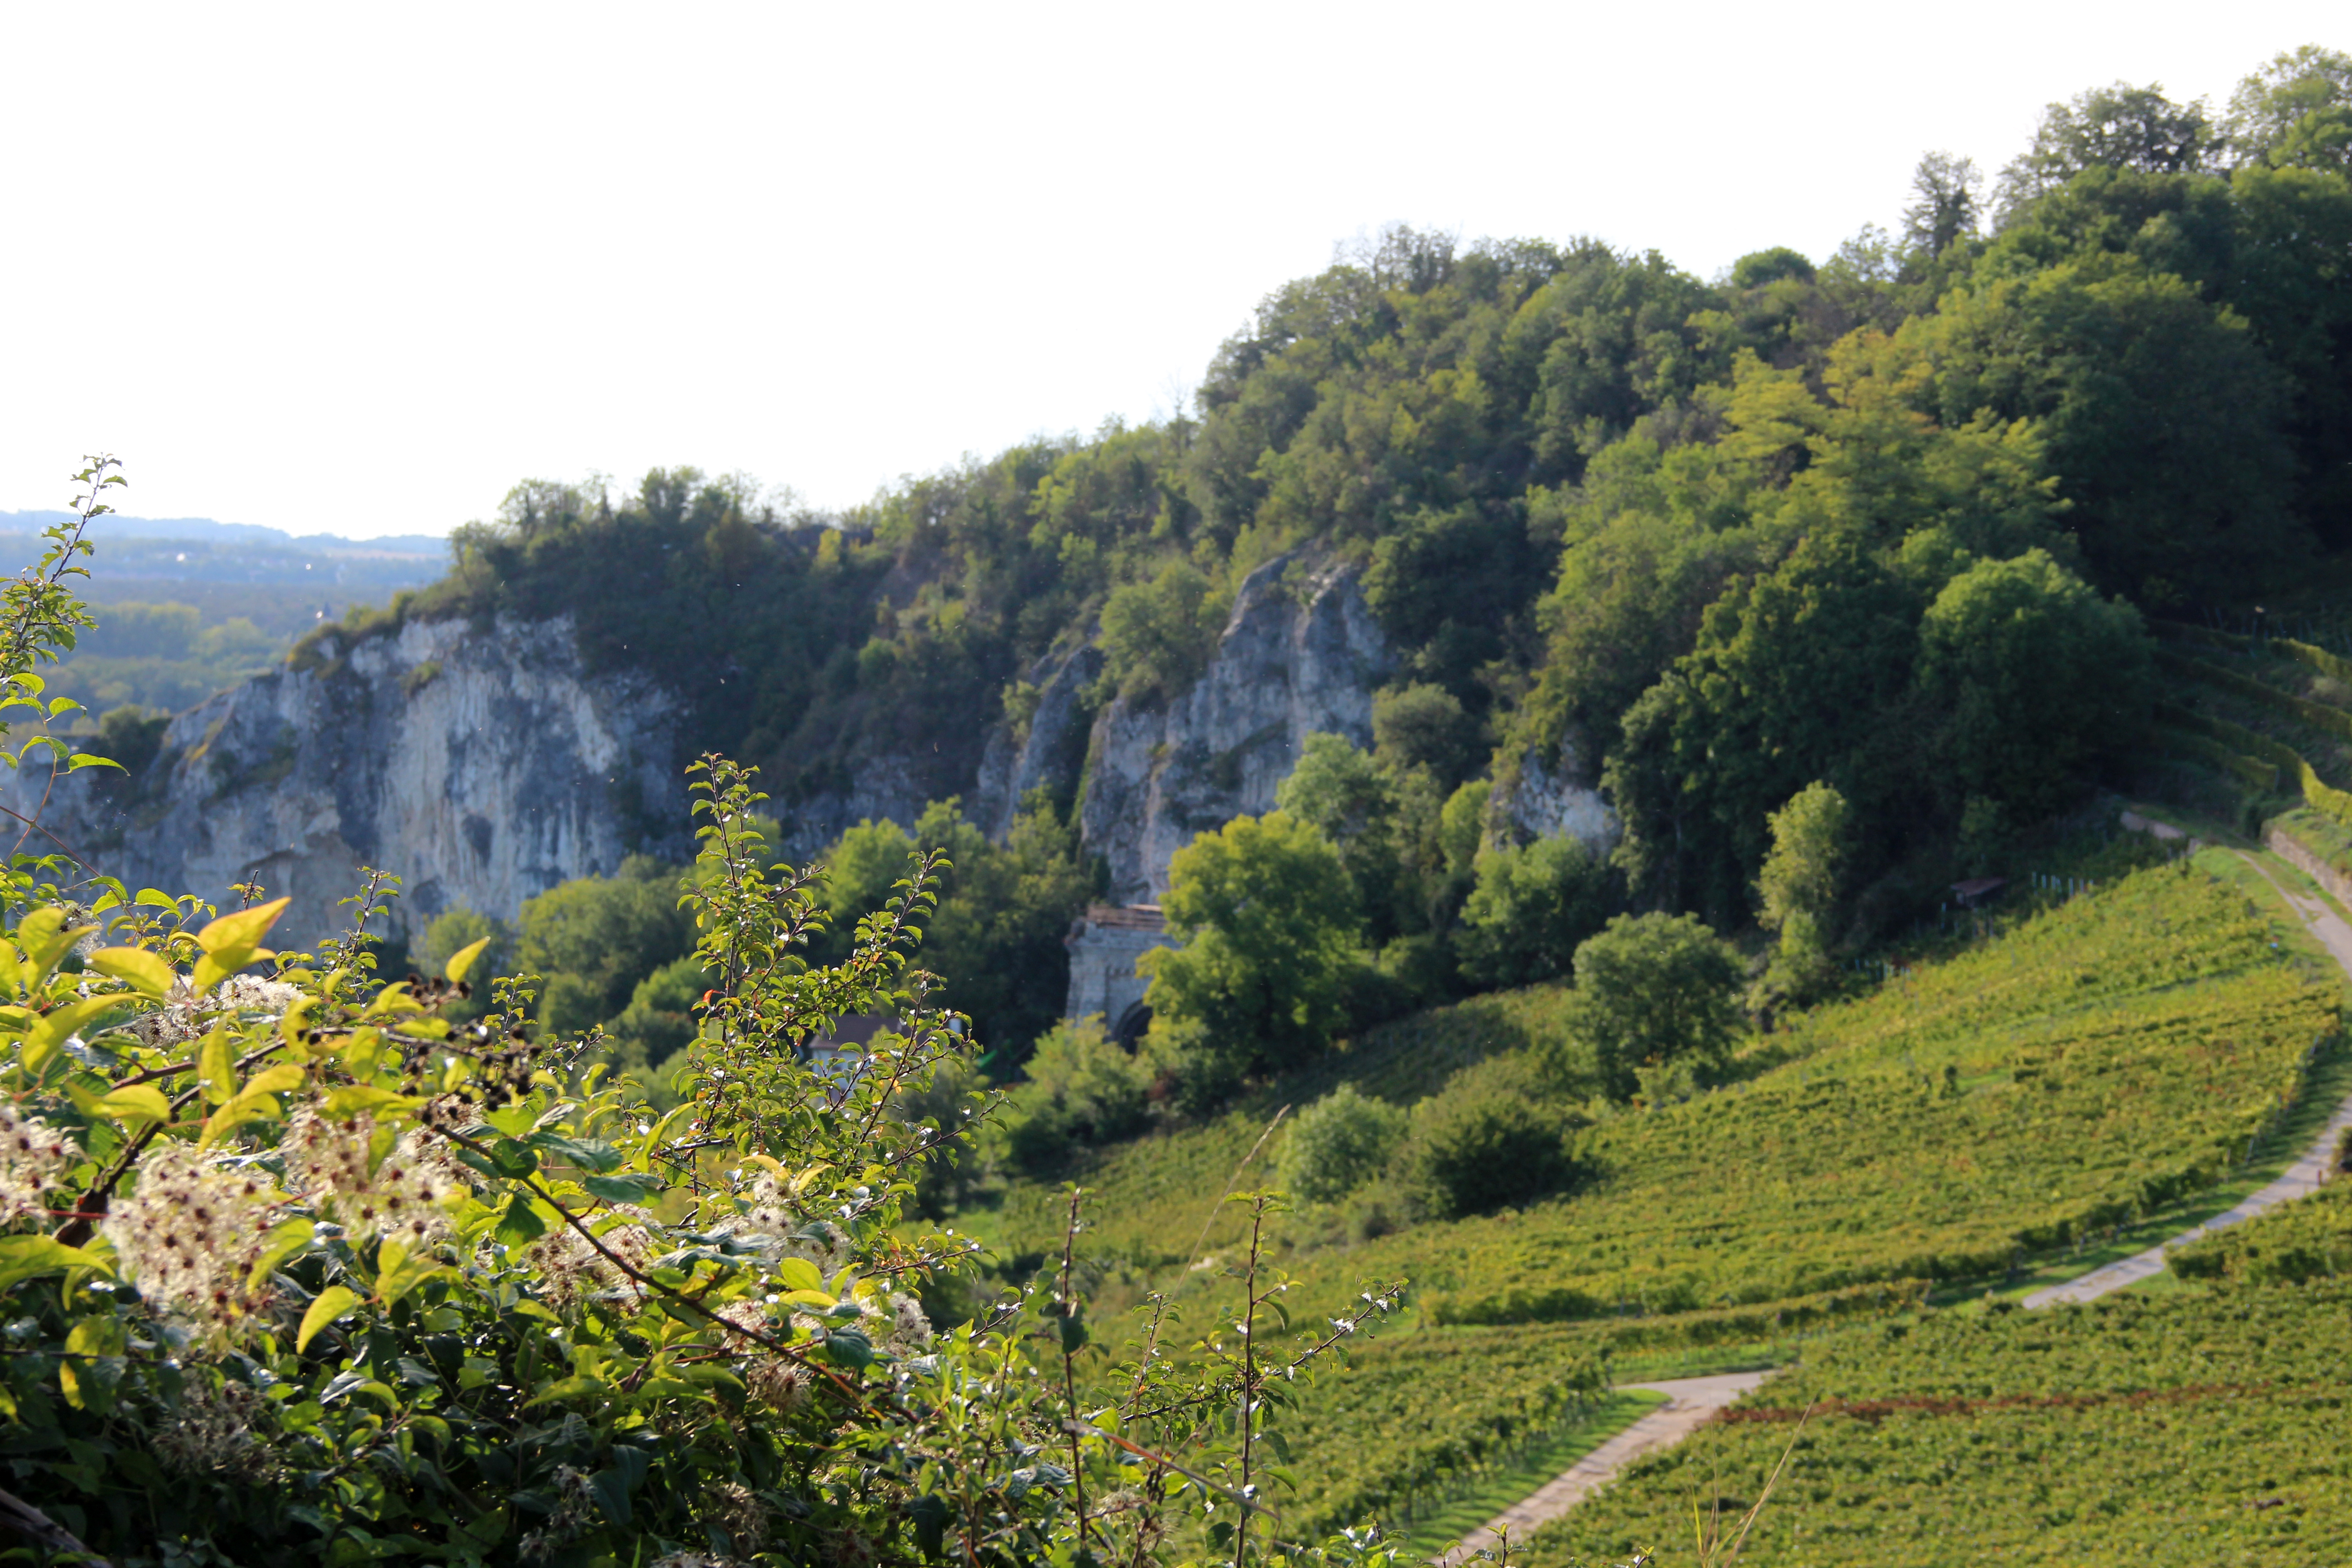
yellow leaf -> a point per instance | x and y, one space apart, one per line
403 1273
139 1102
256 1101
45 938
349 1099
332 1304
461 961
217 1068
243 930
54 1029
145 971
297 1021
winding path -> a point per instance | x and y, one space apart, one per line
2299 1180
1692 1401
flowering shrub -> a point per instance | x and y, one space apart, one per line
295 1267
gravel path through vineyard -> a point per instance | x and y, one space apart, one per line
1690 1402
2299 1180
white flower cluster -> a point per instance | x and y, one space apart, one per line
572 1268
191 1233
334 1164
775 1381
184 1014
770 1214
33 1157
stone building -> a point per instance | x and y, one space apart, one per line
1104 944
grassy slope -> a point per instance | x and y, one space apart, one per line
2112 1049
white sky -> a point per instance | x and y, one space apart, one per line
360 269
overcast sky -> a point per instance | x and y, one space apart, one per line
360 268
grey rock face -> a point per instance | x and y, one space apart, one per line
484 767
1543 800
1050 752
1300 655
480 767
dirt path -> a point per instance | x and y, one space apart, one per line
1689 1402
2300 1180
1692 1401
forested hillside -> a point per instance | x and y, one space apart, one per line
1888 522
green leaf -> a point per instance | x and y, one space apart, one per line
285 1239
82 760
518 1225
462 961
514 1159
929 1515
588 1154
23 1257
98 1336
611 1490
332 1304
848 1347
582 1386
629 1189
800 1274
145 971
397 1273
88 1383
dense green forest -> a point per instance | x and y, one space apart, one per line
1888 523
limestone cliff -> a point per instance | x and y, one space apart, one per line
1301 654
480 765
483 765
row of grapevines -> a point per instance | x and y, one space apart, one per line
2200 1427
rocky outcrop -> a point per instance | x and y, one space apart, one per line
1299 655
1541 798
1049 750
480 765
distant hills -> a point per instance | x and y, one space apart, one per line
283 583
246 535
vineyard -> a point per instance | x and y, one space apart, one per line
2308 1240
2115 1056
2106 1055
2199 1426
